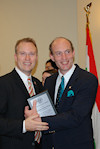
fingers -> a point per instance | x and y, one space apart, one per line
26 111
41 123
34 116
34 107
31 124
42 128
26 107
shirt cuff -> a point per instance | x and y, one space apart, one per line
24 130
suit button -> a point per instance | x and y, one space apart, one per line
52 131
33 143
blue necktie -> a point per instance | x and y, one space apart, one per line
60 90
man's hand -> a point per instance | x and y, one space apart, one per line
31 112
33 120
31 124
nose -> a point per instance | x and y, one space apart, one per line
27 57
63 55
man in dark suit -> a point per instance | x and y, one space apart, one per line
16 132
71 128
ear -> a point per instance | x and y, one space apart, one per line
15 57
51 57
36 57
73 52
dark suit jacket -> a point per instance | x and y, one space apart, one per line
13 99
72 125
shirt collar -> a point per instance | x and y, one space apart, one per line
68 74
22 75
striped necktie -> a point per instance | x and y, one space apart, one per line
38 134
30 87
60 91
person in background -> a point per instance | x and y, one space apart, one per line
47 73
16 132
50 65
73 92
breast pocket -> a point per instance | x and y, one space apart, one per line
68 100
65 104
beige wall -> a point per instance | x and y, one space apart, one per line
44 20
94 19
41 19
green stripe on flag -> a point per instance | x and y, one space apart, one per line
94 145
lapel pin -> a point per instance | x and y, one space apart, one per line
69 87
34 82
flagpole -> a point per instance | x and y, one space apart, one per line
87 9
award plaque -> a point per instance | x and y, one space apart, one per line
44 104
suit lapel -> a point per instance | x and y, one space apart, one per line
20 83
54 83
52 86
35 86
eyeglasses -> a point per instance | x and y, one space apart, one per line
24 54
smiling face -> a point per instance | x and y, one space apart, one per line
26 57
62 54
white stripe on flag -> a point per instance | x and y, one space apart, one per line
96 125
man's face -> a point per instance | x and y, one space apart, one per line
62 55
26 57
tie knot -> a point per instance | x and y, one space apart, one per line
28 79
62 79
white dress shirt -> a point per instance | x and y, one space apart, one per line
24 79
66 79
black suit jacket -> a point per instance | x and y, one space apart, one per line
72 125
13 99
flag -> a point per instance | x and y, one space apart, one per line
91 67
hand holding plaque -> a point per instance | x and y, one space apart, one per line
44 104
